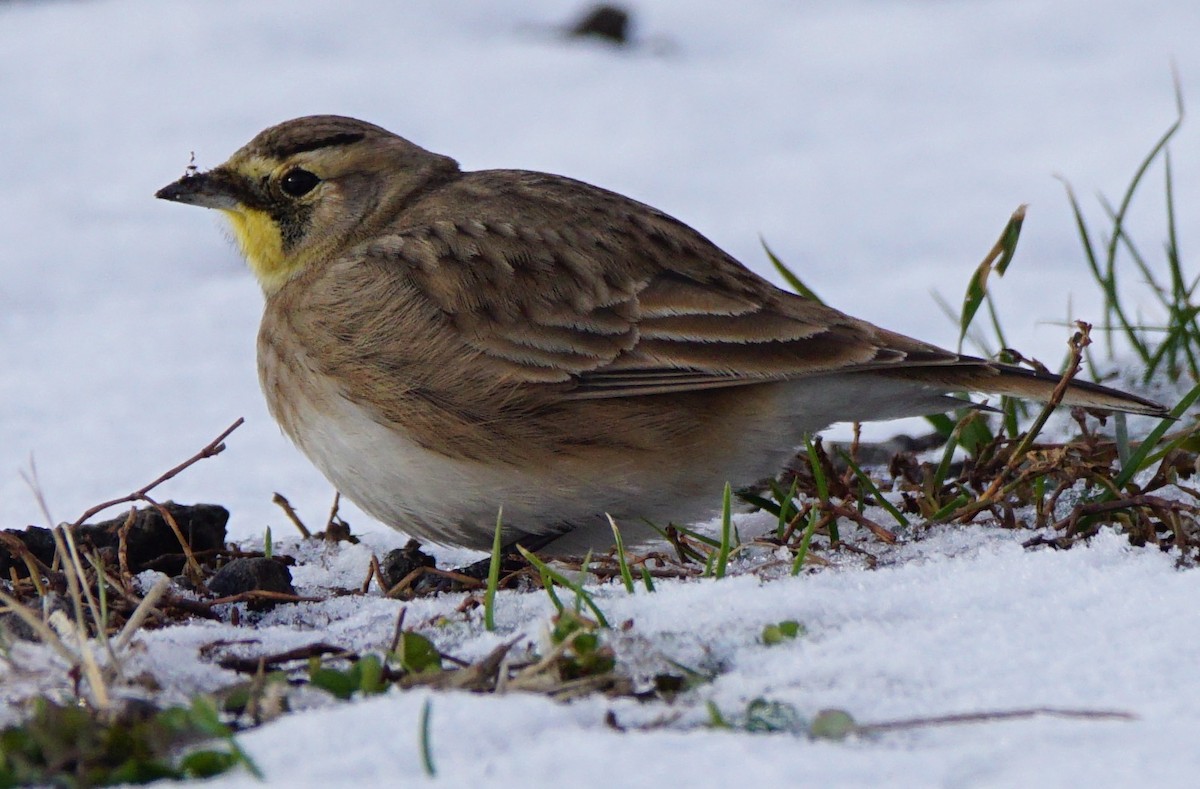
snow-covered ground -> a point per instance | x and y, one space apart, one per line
878 146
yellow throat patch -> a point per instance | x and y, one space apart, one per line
262 245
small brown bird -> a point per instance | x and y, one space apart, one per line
442 343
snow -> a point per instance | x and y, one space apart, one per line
969 627
877 146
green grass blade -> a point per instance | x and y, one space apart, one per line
873 490
1106 279
802 552
942 424
1121 429
493 579
1164 296
958 502
973 334
994 318
426 743
788 275
583 568
560 579
1118 218
764 504
818 472
622 561
547 585
997 259
787 506
697 536
715 719
1183 308
1127 198
822 483
726 532
952 443
1138 457
1189 441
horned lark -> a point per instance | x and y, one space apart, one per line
444 343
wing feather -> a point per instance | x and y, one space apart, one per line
593 295
616 301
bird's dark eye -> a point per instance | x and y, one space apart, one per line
298 182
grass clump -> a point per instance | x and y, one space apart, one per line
779 632
993 472
71 745
1172 347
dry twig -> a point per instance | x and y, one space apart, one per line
214 447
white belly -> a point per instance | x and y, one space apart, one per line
447 500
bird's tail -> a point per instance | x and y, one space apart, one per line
1003 379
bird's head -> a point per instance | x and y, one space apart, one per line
302 191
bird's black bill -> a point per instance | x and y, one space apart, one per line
209 190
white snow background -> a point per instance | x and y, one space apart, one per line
877 145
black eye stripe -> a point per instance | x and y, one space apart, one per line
298 182
284 149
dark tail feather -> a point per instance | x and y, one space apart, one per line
1003 379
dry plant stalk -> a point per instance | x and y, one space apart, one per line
214 447
281 501
1080 340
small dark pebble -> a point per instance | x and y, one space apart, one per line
338 531
609 22
397 564
13 627
249 574
40 543
510 562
